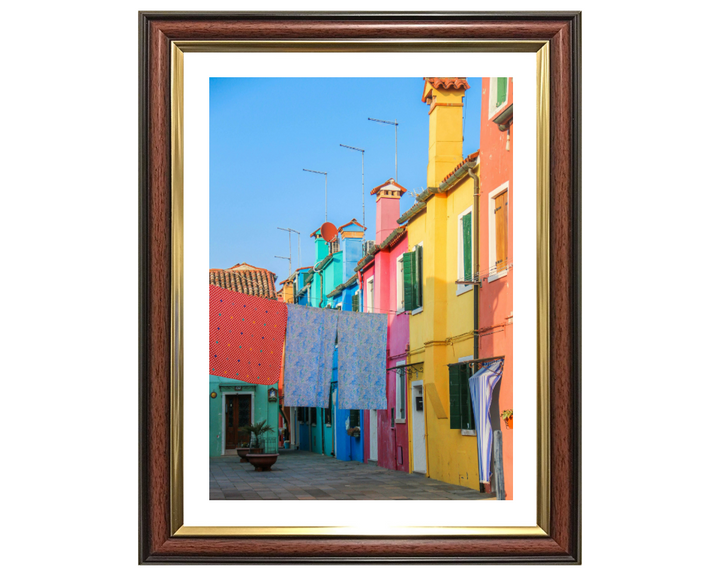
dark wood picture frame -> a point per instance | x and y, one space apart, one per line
157 544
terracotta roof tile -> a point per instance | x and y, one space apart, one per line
448 83
245 279
386 183
353 221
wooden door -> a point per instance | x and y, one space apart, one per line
237 414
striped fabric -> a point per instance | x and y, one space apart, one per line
482 384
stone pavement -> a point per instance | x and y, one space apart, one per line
300 475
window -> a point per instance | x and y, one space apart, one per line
354 418
328 417
313 416
498 230
412 279
356 302
465 250
303 415
461 414
400 394
498 95
399 286
370 300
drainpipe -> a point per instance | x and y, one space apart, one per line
476 250
321 285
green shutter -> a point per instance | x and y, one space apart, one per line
455 402
356 302
501 91
418 272
467 246
408 280
468 422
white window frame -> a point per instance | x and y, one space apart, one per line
370 294
466 431
463 288
492 109
399 379
399 285
492 248
420 309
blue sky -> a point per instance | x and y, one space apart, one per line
264 131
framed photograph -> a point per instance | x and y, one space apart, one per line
410 166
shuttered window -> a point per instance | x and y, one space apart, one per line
313 416
356 302
354 418
412 266
467 246
461 414
501 92
501 232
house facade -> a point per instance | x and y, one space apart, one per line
380 274
495 298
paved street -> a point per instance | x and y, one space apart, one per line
300 475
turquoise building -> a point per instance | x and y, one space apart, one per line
332 284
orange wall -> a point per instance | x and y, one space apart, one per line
496 298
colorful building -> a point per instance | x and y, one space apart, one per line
380 272
329 284
495 298
233 403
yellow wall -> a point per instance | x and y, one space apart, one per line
442 334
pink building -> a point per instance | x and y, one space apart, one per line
386 437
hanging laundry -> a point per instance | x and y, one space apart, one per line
309 347
482 384
246 336
362 361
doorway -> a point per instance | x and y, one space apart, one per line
418 427
238 413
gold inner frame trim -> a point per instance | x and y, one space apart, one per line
542 50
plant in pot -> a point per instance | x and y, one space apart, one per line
507 416
262 462
256 431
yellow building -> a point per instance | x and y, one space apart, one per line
443 442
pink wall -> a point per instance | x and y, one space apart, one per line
496 298
387 212
392 441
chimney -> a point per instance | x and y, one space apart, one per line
387 208
321 247
352 235
444 96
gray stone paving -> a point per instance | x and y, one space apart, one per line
300 475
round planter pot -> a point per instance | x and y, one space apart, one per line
243 452
287 444
262 462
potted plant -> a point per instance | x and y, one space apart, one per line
243 451
262 462
507 416
256 431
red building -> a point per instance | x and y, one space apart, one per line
496 251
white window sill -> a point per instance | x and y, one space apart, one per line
417 311
497 276
463 288
399 311
469 432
